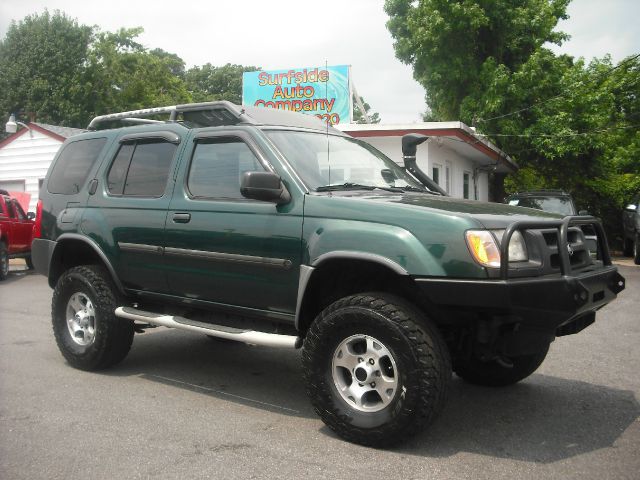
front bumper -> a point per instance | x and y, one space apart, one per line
515 314
544 302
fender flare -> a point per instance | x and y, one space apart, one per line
96 249
307 271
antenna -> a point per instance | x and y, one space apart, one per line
326 102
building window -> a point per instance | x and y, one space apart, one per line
435 173
465 184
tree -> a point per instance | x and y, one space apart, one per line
358 117
568 124
452 44
208 83
123 75
42 60
63 73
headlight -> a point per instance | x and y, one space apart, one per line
517 247
485 247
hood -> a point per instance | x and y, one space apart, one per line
490 215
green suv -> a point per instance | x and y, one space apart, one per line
271 228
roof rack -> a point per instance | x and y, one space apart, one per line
218 114
173 111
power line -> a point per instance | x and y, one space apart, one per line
604 74
558 135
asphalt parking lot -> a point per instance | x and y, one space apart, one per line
183 406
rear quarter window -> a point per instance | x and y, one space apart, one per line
70 172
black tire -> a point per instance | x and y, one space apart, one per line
4 261
421 357
494 374
113 336
636 249
627 249
29 262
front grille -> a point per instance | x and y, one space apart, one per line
579 255
548 254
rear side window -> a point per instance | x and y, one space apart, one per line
141 169
217 168
74 163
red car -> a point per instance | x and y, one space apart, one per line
16 233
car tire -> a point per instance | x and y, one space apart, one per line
375 337
627 248
87 331
636 249
28 262
4 261
499 374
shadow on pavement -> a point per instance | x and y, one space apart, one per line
16 274
544 419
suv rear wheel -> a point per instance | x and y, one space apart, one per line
88 334
375 368
627 248
4 261
500 374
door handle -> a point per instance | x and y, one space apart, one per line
181 217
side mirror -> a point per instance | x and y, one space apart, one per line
388 175
583 213
31 215
631 207
264 186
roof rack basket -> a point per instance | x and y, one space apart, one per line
173 111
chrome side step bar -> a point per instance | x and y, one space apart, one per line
230 333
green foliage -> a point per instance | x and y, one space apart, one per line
448 42
41 58
209 83
358 117
568 124
123 75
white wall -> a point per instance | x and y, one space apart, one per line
439 154
28 158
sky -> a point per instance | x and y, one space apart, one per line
279 34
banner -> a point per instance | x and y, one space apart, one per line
321 91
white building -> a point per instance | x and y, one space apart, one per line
25 157
455 156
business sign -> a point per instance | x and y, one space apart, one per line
322 91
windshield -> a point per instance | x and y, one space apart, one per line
324 161
561 205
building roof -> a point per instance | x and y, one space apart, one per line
53 131
65 132
455 135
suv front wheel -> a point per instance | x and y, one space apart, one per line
375 368
88 334
4 261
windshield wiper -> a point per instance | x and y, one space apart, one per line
344 186
359 186
409 188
